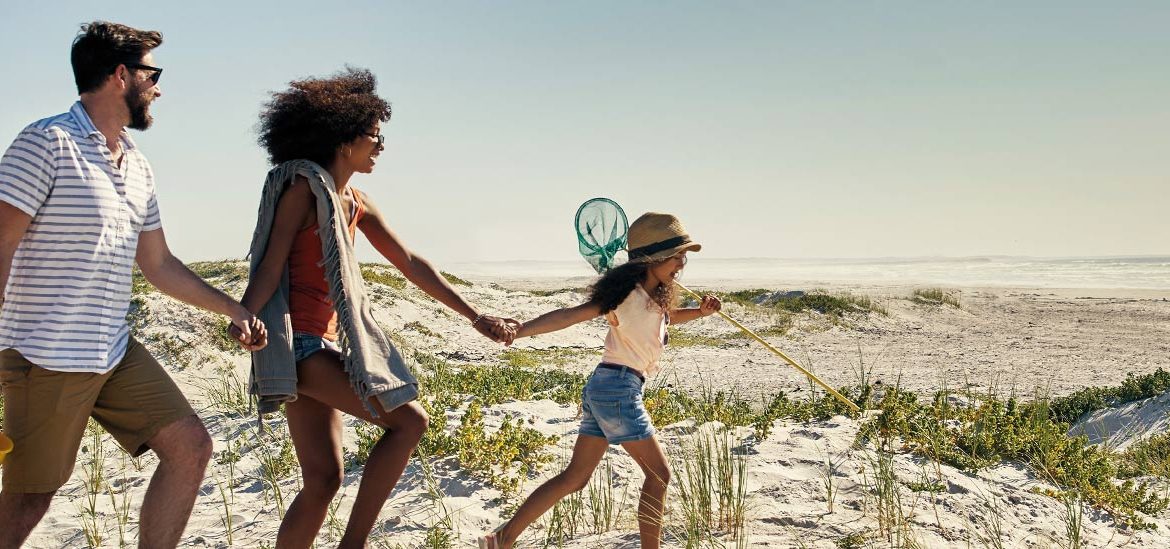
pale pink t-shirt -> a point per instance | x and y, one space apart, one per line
637 333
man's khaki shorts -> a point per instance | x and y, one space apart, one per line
45 413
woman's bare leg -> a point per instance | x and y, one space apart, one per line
322 378
316 434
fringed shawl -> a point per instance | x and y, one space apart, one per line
375 367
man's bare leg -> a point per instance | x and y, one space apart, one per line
183 450
20 513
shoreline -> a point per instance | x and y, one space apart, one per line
1047 340
548 283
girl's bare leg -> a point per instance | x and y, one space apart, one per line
587 453
649 456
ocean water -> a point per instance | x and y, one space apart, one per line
1142 272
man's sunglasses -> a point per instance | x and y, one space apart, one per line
155 75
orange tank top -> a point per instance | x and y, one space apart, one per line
310 308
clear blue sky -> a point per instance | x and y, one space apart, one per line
781 129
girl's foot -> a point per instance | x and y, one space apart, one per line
492 540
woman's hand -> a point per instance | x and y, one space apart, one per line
249 332
501 330
710 305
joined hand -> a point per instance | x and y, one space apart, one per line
249 332
500 330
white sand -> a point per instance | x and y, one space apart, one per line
1013 339
1125 425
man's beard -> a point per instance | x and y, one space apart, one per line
139 107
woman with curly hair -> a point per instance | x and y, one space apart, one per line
637 299
319 133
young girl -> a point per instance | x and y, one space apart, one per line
335 123
636 299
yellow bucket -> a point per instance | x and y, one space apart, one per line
5 446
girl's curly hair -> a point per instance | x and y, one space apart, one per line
315 116
614 286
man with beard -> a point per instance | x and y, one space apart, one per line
77 209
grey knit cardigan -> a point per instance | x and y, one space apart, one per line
376 369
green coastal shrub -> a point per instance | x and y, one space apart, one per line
384 275
984 430
819 301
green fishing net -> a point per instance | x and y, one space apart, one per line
601 232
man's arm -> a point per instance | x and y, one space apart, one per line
13 224
26 179
172 277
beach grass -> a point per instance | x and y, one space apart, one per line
681 338
454 280
668 405
519 377
835 305
989 531
222 272
782 324
138 283
558 291
1147 457
937 296
385 275
521 357
711 488
419 327
225 392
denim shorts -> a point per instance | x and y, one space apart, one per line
611 406
305 345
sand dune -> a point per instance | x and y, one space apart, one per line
1012 339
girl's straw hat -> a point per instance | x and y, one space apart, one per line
657 236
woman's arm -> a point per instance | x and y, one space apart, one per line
709 306
559 319
424 275
291 212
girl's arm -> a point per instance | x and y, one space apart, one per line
424 275
291 212
709 306
559 319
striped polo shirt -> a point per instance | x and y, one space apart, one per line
69 286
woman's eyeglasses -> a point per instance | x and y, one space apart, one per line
381 139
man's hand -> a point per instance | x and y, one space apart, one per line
248 330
